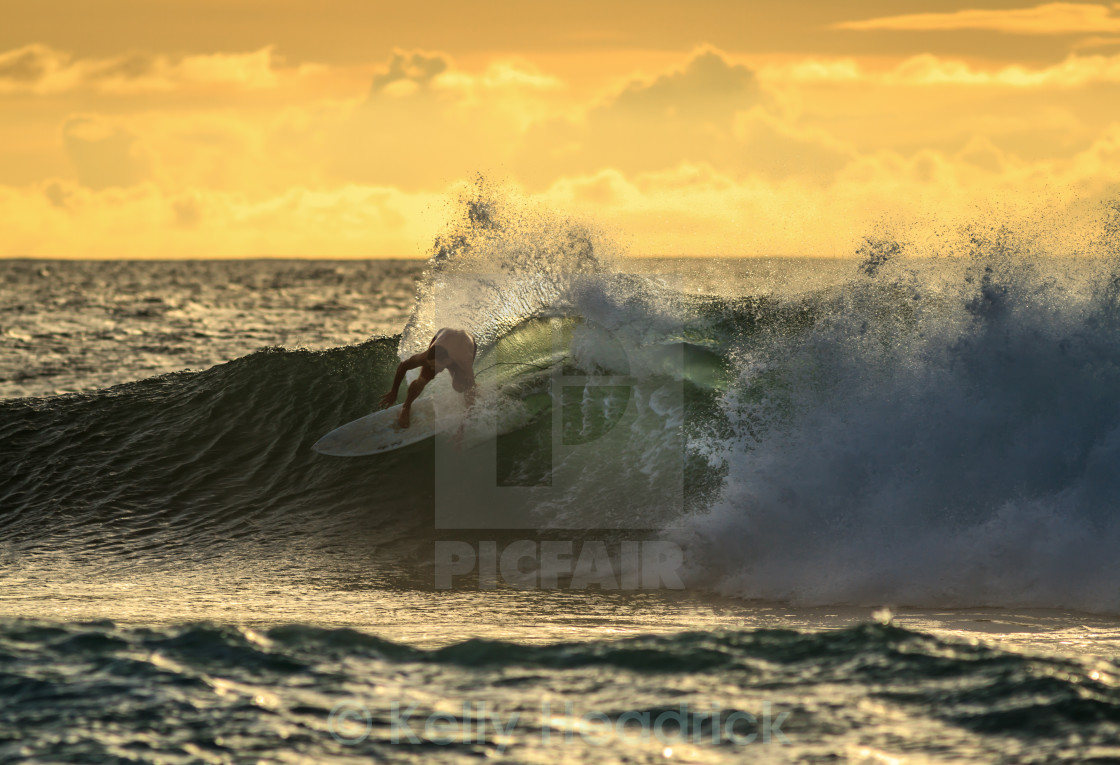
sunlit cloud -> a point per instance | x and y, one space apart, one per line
684 209
687 114
60 218
235 155
426 122
44 70
103 153
1047 19
928 69
1089 43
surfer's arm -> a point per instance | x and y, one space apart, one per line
411 362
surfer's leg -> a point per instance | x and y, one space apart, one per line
414 389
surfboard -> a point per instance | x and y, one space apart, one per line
378 432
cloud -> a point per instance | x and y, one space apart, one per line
711 111
423 73
408 72
701 209
982 153
816 70
779 150
686 209
1047 19
187 210
1097 41
62 219
103 154
707 86
427 122
685 115
1075 71
422 124
40 69
1097 167
604 189
710 156
926 69
27 64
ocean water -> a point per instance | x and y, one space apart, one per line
777 509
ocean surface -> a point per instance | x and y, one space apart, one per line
773 509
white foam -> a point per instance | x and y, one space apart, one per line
945 435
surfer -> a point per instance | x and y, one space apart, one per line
450 349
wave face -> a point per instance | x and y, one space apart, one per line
206 693
187 459
928 426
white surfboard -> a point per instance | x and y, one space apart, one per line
438 409
378 432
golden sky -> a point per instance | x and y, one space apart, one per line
344 128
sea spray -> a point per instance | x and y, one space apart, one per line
945 432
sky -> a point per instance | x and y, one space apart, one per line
347 128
